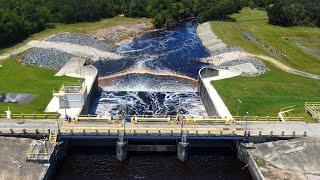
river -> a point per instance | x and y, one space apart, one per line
157 77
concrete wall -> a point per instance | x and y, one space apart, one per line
245 155
92 95
59 153
203 93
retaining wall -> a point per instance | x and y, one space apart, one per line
203 93
246 156
92 95
59 153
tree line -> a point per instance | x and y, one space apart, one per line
295 12
20 18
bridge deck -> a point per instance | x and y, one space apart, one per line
281 129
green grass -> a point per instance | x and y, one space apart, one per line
268 93
18 78
15 77
82 28
300 45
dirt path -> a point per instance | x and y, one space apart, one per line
14 52
287 68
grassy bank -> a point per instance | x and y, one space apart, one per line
78 28
267 94
18 78
297 47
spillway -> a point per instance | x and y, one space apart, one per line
157 76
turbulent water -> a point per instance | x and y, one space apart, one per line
149 103
157 76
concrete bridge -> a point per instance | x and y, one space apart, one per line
157 128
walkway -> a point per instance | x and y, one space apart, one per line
286 68
274 129
15 52
221 108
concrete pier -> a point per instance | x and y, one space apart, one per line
122 148
183 152
183 149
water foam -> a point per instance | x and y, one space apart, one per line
149 103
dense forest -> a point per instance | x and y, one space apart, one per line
295 12
20 18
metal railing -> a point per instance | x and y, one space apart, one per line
79 85
268 118
314 109
31 116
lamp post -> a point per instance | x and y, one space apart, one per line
247 121
65 106
239 102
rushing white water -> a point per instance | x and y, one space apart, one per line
150 103
158 75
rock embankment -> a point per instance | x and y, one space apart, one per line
57 50
82 40
47 58
222 57
121 32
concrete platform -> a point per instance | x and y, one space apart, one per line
74 68
289 159
13 163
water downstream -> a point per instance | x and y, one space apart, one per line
101 163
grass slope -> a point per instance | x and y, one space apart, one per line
297 47
266 94
15 77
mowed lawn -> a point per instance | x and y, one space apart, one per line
18 78
267 94
298 47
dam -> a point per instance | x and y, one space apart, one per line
158 75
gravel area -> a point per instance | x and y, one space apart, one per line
121 32
82 40
257 64
47 58
234 58
19 98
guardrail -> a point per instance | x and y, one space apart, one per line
155 119
176 130
186 119
267 118
314 109
31 116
